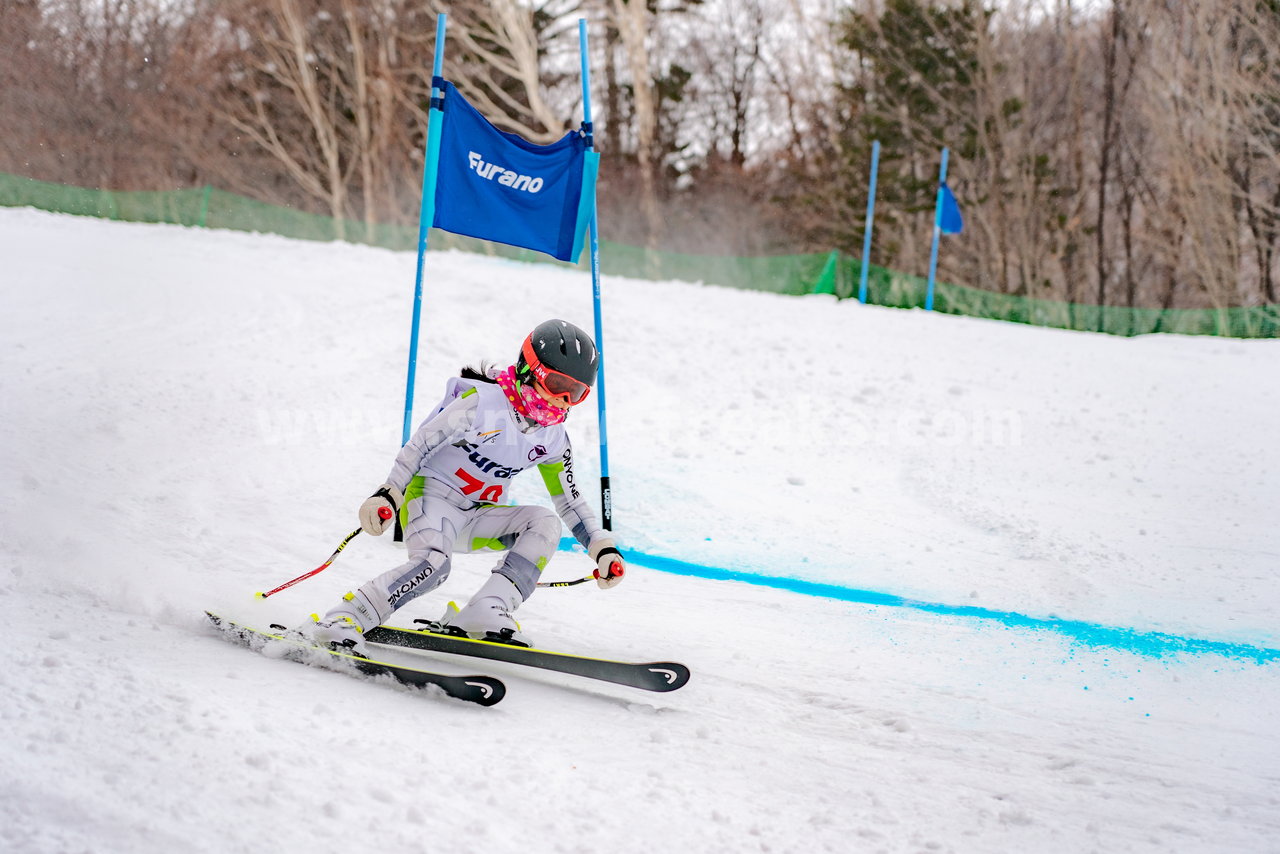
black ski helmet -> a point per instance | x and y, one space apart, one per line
558 347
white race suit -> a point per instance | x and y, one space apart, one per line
454 473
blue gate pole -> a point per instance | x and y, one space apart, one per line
426 215
937 231
871 216
606 492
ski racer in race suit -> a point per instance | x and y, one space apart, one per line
449 481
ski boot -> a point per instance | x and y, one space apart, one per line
488 615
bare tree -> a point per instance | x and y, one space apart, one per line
727 65
318 87
631 18
91 71
511 55
1208 92
34 81
283 97
1254 43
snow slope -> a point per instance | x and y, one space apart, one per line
190 416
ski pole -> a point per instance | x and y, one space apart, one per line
565 583
383 513
615 569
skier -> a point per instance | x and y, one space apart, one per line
448 484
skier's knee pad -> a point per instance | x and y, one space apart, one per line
522 572
536 541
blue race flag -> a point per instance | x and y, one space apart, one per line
497 186
949 219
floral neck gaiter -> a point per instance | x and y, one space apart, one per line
528 402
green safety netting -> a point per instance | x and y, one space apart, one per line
830 272
841 276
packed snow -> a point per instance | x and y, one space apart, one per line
191 416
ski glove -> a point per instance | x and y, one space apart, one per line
610 567
379 510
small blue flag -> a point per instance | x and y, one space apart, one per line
495 185
949 219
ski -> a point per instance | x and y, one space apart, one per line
432 637
484 690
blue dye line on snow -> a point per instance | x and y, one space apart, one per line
1147 643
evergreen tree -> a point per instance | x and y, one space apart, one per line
911 84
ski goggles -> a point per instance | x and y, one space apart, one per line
556 383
